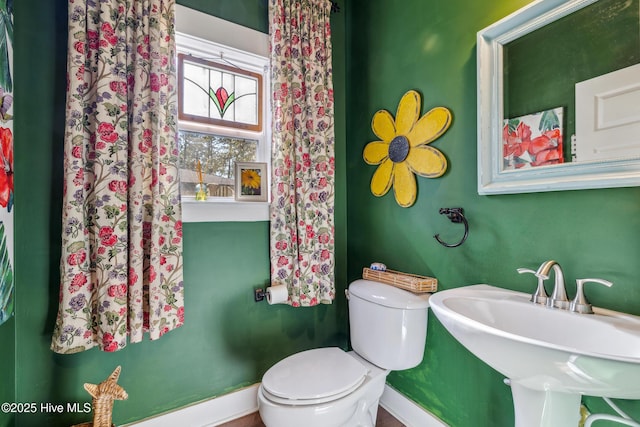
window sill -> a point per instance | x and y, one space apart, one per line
223 210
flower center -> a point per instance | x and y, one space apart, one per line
399 149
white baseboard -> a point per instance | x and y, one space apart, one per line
407 411
208 413
220 410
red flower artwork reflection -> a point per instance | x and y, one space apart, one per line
6 171
533 140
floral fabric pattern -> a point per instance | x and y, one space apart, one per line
121 264
303 169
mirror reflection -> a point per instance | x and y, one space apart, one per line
540 72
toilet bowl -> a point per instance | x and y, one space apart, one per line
345 397
328 387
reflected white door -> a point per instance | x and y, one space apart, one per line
608 116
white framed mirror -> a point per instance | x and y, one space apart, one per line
501 102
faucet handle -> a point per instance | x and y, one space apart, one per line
540 295
580 303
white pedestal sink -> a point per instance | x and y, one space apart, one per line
551 357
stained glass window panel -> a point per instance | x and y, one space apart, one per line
219 94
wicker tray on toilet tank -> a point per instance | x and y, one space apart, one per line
406 281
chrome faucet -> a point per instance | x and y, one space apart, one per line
540 295
580 303
558 298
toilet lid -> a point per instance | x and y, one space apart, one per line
314 374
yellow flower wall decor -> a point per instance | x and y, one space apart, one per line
403 150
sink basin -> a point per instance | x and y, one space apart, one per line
551 357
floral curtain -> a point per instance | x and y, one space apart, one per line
121 264
302 224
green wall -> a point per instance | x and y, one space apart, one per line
249 13
228 340
429 45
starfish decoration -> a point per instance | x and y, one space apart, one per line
103 396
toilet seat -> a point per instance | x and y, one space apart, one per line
313 376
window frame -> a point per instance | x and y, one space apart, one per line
210 38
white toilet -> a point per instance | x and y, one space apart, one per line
328 387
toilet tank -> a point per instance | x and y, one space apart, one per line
388 325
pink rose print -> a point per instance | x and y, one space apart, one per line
107 238
107 132
77 258
118 291
78 281
282 261
108 342
92 39
119 187
119 87
133 277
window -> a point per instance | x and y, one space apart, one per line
222 113
214 155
